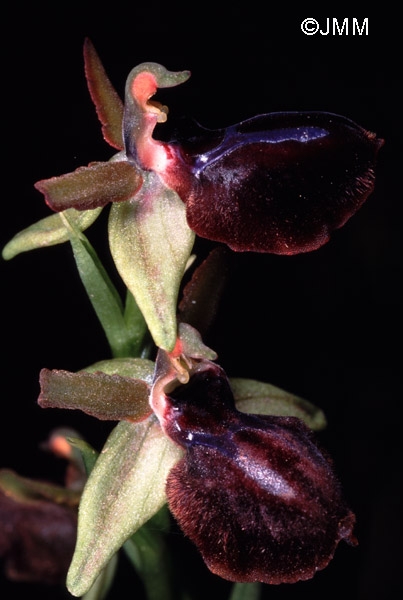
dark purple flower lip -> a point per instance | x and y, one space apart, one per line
279 182
256 494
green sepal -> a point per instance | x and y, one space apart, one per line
150 242
49 231
266 399
101 586
125 489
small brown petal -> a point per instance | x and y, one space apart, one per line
107 397
91 187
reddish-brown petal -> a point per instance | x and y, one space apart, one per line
91 187
107 102
108 397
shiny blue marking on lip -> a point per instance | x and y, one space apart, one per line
284 134
233 140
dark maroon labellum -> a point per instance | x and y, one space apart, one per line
254 493
278 183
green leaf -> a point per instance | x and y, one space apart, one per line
245 591
101 292
49 231
125 489
266 399
151 242
107 397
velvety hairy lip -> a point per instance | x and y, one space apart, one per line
255 493
278 183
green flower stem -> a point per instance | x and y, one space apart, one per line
124 328
147 551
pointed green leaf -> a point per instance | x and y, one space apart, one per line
49 231
101 292
266 399
151 242
125 489
108 397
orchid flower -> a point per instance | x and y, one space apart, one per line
276 183
235 460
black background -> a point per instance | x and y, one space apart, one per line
325 325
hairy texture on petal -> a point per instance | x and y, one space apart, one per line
91 187
255 494
278 183
108 397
